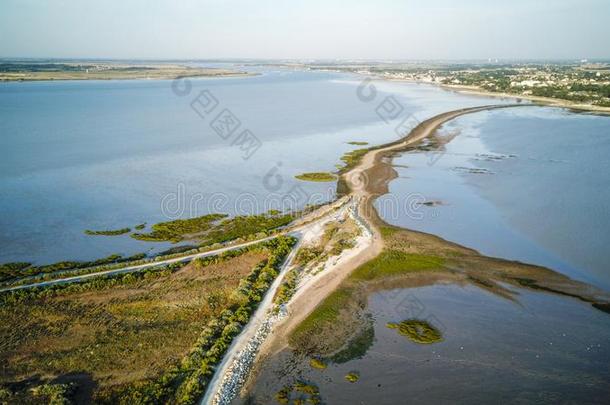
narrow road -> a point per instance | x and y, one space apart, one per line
260 316
306 300
295 230
130 269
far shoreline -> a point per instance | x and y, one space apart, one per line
112 71
543 101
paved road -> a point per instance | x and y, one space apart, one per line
248 332
139 267
296 231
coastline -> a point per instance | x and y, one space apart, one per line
546 101
468 267
155 74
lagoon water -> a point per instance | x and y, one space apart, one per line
545 349
529 184
111 154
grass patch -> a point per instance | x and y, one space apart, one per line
287 288
174 231
417 331
13 271
317 176
326 312
352 376
148 337
214 228
317 364
300 392
351 159
395 262
109 232
357 346
309 254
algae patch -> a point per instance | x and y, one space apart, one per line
417 331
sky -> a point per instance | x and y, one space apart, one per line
306 29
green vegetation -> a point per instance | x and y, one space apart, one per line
308 254
339 317
54 394
196 369
357 346
174 231
13 271
358 143
111 232
288 286
352 376
417 331
102 282
317 363
583 83
210 229
132 332
395 262
351 159
326 315
139 227
317 176
337 238
299 393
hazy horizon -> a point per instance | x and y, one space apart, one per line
321 30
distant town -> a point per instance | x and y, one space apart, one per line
582 82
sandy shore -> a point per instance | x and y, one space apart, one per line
366 183
468 265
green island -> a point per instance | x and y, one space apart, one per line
111 232
210 231
351 159
317 363
215 228
352 376
300 392
317 177
417 331
340 329
358 143
152 336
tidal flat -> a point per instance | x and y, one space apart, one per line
458 299
546 349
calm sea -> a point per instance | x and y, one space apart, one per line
111 154
529 184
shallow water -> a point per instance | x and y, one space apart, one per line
546 349
111 154
538 194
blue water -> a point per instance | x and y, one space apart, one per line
111 154
542 197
